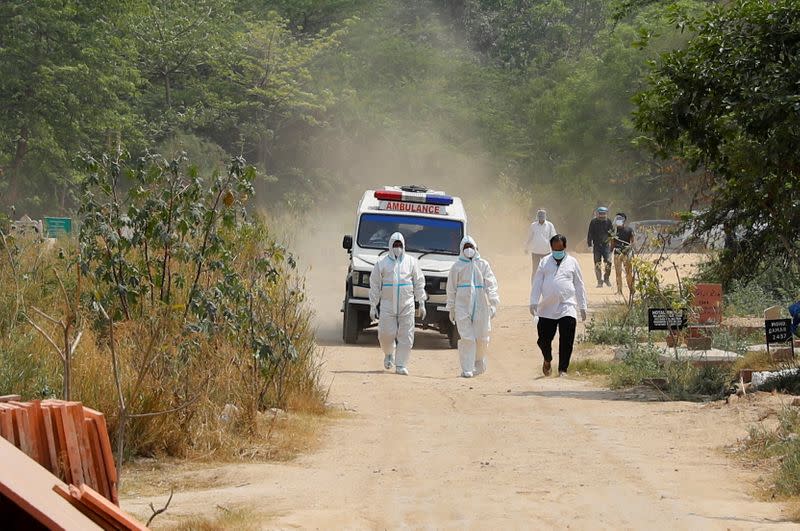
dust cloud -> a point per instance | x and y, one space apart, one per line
498 212
408 151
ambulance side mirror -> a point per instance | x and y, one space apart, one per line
347 243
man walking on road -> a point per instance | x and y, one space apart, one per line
395 283
539 234
622 242
557 294
472 301
598 240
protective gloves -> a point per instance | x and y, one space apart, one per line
453 316
373 313
492 311
422 312
532 308
583 315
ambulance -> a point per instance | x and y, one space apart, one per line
432 223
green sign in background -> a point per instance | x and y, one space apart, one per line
54 227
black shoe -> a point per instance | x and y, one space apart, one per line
599 284
608 283
546 368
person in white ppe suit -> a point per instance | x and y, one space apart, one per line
472 301
395 284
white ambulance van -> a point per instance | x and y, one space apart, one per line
432 224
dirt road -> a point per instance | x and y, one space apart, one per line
506 450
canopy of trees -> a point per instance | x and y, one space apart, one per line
729 103
321 94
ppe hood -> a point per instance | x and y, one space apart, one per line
465 240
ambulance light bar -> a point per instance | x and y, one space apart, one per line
413 197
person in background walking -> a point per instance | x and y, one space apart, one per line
600 229
557 294
622 242
539 234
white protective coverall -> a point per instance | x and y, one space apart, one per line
472 299
395 283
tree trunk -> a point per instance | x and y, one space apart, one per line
19 158
167 91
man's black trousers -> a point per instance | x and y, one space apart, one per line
566 338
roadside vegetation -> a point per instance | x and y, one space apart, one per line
644 358
779 448
174 312
316 94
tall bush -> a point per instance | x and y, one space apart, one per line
193 318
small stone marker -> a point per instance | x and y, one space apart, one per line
708 300
773 312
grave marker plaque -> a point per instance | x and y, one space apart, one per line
778 331
708 302
665 319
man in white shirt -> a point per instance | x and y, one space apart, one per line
557 294
538 243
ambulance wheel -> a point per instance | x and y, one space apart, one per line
453 336
350 324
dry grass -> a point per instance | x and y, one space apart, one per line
793 508
163 366
757 361
241 519
775 448
155 477
281 437
591 367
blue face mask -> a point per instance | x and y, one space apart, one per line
559 255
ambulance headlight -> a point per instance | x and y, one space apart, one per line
360 278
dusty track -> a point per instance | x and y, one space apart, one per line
507 450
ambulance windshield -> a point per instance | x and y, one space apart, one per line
423 235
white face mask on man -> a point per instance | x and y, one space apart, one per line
619 222
469 252
397 252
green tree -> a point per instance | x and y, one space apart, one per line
185 52
728 102
65 85
530 33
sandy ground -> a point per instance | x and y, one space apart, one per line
507 450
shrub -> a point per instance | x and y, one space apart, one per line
617 326
179 293
724 339
641 362
687 382
774 286
605 332
782 446
684 380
